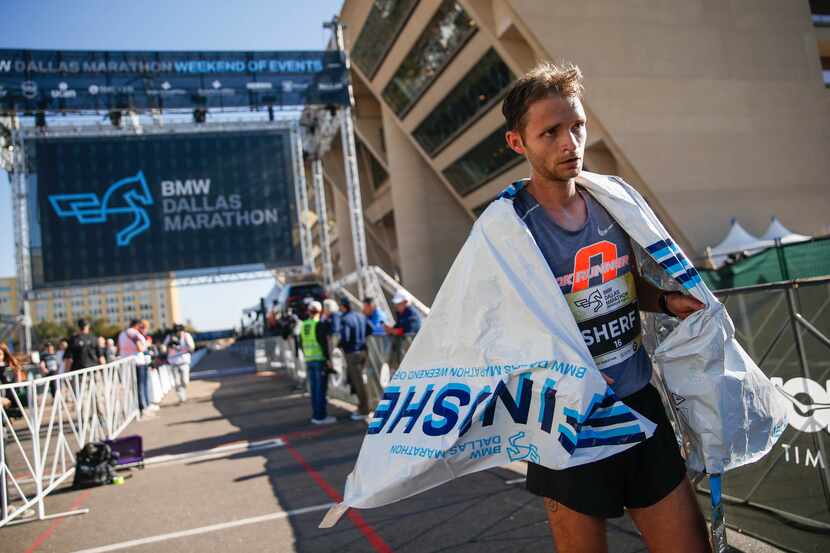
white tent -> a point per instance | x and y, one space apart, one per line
776 230
737 240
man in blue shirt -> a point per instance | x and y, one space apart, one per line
407 320
375 317
353 330
407 325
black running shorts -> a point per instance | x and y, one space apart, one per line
638 477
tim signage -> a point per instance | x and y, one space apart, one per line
140 205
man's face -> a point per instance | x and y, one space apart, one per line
400 307
63 345
367 309
50 349
553 138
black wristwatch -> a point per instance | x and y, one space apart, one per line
661 301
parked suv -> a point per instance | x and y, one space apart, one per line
294 296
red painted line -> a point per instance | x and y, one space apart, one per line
368 532
55 523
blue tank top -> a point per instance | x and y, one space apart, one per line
593 268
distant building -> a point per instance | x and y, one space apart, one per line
8 296
155 300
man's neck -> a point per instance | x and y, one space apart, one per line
560 200
553 195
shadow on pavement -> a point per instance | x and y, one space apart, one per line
476 513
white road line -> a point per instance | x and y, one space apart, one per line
205 529
515 481
233 371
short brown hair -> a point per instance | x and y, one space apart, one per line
546 79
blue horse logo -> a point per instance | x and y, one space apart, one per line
127 196
518 452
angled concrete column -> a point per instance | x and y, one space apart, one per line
430 224
345 246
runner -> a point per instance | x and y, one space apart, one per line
594 265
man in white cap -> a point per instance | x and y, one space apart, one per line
407 325
314 340
331 315
407 320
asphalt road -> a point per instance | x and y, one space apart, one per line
239 468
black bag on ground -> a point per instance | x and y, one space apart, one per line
94 465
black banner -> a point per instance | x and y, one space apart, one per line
32 80
108 207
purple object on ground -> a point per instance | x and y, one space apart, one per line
130 450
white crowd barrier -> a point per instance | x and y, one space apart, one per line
50 419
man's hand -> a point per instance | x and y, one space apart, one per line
6 402
682 305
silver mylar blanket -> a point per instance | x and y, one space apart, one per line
500 372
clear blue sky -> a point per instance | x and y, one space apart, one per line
165 25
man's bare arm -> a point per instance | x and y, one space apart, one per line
648 295
678 303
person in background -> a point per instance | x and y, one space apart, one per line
272 319
407 320
83 351
49 365
331 314
180 345
314 340
353 330
5 403
63 345
374 316
112 351
9 365
407 324
131 343
298 325
102 346
11 372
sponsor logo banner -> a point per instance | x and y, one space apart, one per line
83 81
110 207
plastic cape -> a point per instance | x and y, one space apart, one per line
729 413
500 372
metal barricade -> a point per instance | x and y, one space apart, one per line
48 421
784 327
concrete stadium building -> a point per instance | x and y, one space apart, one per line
712 110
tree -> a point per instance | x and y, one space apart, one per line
102 327
51 331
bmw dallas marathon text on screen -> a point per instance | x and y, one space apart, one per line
138 205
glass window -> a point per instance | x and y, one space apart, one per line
474 95
382 27
379 174
488 159
443 37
